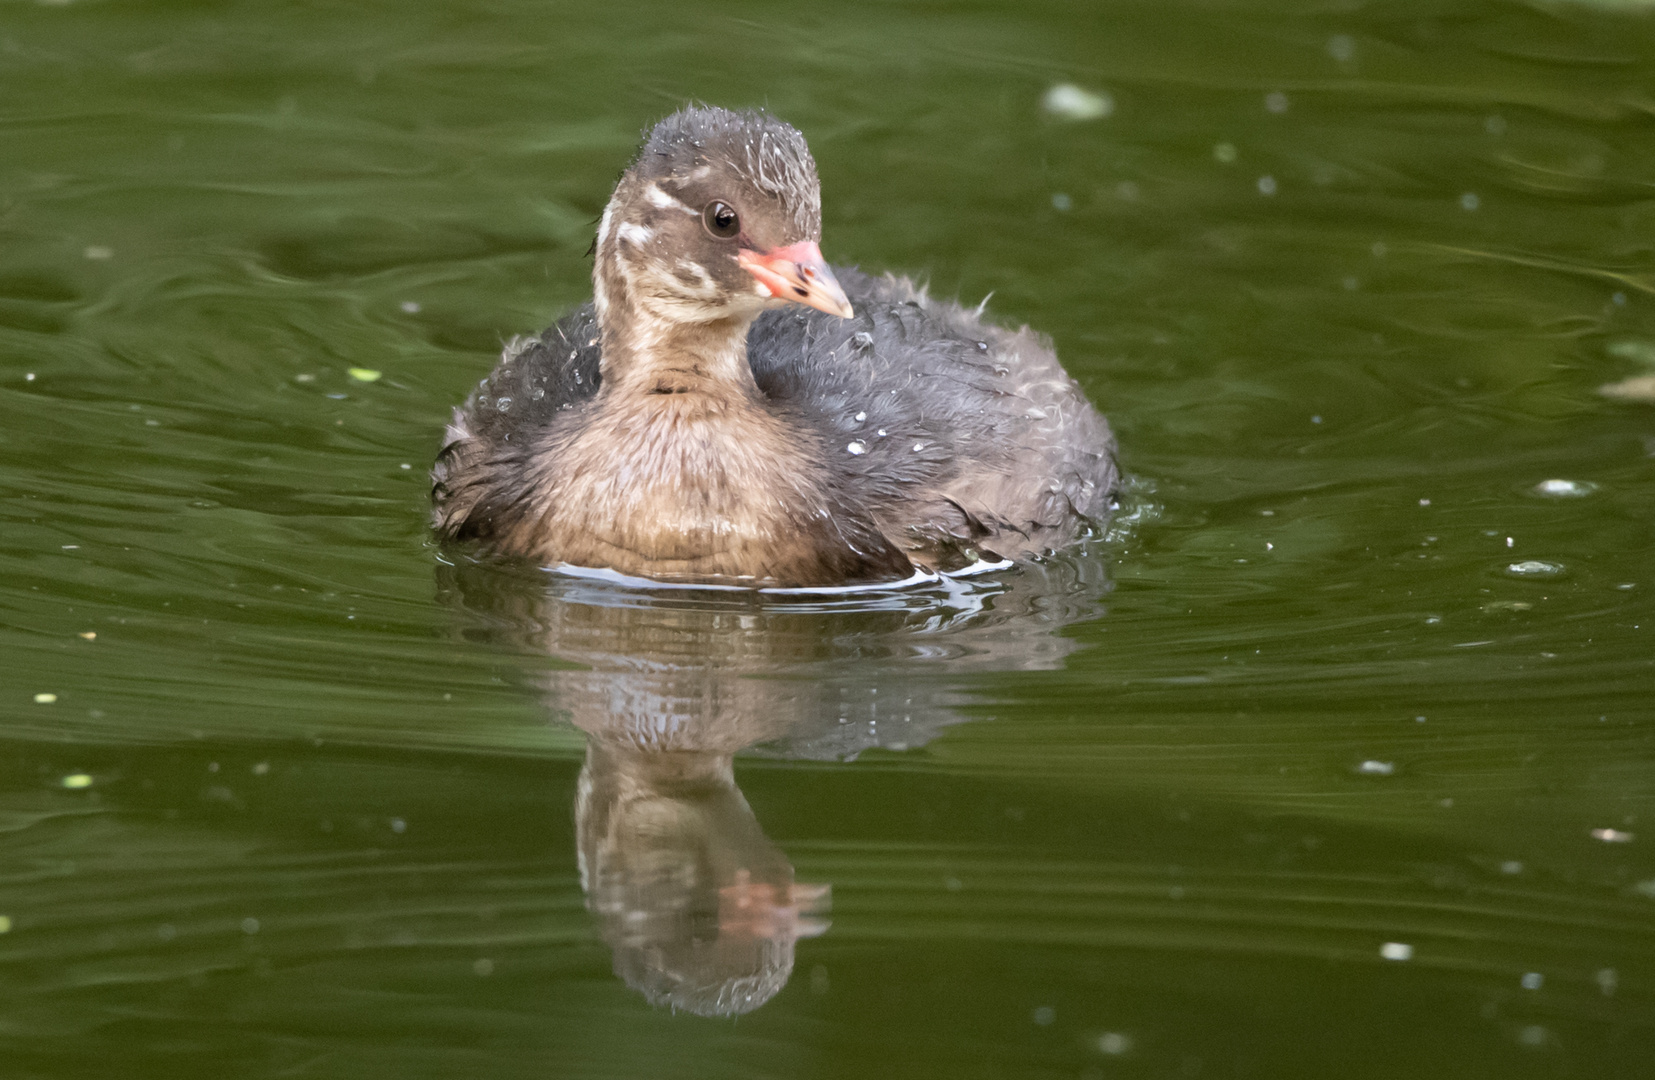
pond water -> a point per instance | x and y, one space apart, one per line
1334 758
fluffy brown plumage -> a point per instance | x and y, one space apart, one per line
686 426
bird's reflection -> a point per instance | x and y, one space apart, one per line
701 910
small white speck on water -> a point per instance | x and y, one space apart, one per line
1315 419
1267 185
1396 950
1564 489
1066 101
1225 153
249 926
1425 502
861 416
44 699
1533 980
1341 47
405 465
1612 836
1534 1035
1511 542
1608 979
1534 568
1619 299
1376 768
398 826
98 253
76 781
856 447
1276 102
1419 719
1114 1043
1061 202
1045 1016
1469 201
5 924
261 769
28 376
1511 867
411 307
1268 546
362 374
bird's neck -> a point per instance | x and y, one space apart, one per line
649 348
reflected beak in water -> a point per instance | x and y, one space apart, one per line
756 909
797 273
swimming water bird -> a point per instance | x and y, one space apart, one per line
731 410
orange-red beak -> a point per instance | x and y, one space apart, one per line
798 273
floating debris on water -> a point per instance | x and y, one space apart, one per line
1267 185
1507 605
1396 950
1225 153
1062 202
1638 388
1535 568
1066 101
1564 489
98 253
5 924
89 635
362 374
44 699
1511 866
76 781
1607 979
1114 1043
1376 768
410 306
1470 201
1612 836
1533 980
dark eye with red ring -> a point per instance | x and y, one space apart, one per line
721 220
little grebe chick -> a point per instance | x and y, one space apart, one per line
730 410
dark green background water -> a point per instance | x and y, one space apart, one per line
325 821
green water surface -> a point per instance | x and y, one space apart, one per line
1335 758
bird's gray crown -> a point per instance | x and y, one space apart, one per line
767 153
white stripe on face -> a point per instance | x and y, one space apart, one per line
661 200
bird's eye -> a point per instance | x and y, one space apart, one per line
721 220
